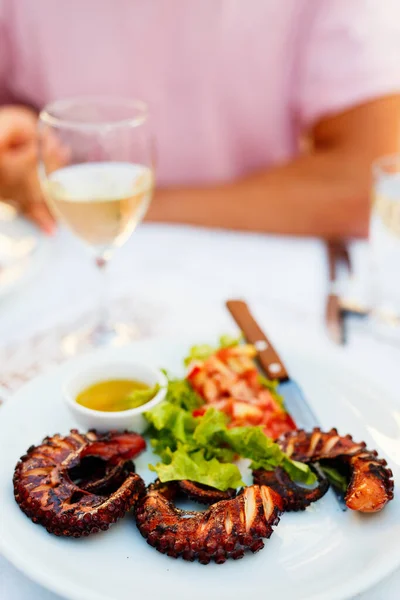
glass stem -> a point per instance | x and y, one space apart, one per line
103 324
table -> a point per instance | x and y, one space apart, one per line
178 279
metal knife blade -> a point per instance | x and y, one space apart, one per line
296 405
295 402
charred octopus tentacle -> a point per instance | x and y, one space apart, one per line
225 530
79 484
295 497
204 494
370 481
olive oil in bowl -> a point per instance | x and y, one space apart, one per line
116 395
113 394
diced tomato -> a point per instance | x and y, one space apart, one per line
241 391
199 412
210 390
225 383
214 365
278 424
228 381
243 411
224 354
251 377
225 405
197 377
196 368
266 401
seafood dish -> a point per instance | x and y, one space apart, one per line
225 530
80 483
223 410
370 484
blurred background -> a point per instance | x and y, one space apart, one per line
258 145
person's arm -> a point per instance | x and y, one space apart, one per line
324 193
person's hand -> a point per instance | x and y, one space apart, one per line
19 180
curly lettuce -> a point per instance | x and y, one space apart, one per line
203 449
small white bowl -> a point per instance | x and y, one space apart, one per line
131 419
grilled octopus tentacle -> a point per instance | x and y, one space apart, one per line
204 494
225 530
371 485
79 484
295 497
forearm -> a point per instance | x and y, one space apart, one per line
324 194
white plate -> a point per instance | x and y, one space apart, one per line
321 554
23 249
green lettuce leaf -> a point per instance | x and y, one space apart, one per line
166 416
298 471
163 443
229 341
337 479
139 397
203 448
212 433
209 433
252 443
181 393
195 467
201 352
173 428
211 428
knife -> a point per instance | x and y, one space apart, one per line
333 311
337 308
295 402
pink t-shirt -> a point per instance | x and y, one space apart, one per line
230 83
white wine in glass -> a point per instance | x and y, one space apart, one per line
101 202
97 174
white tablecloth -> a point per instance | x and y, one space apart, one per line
178 279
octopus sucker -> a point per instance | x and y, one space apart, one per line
249 507
227 529
74 497
315 438
266 500
228 523
330 444
35 471
370 485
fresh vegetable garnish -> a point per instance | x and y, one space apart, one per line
139 397
337 479
228 380
272 386
203 351
181 393
209 445
195 467
223 410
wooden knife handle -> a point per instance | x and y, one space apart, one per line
267 355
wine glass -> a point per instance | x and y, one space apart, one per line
97 174
385 247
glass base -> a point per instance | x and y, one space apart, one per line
91 338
